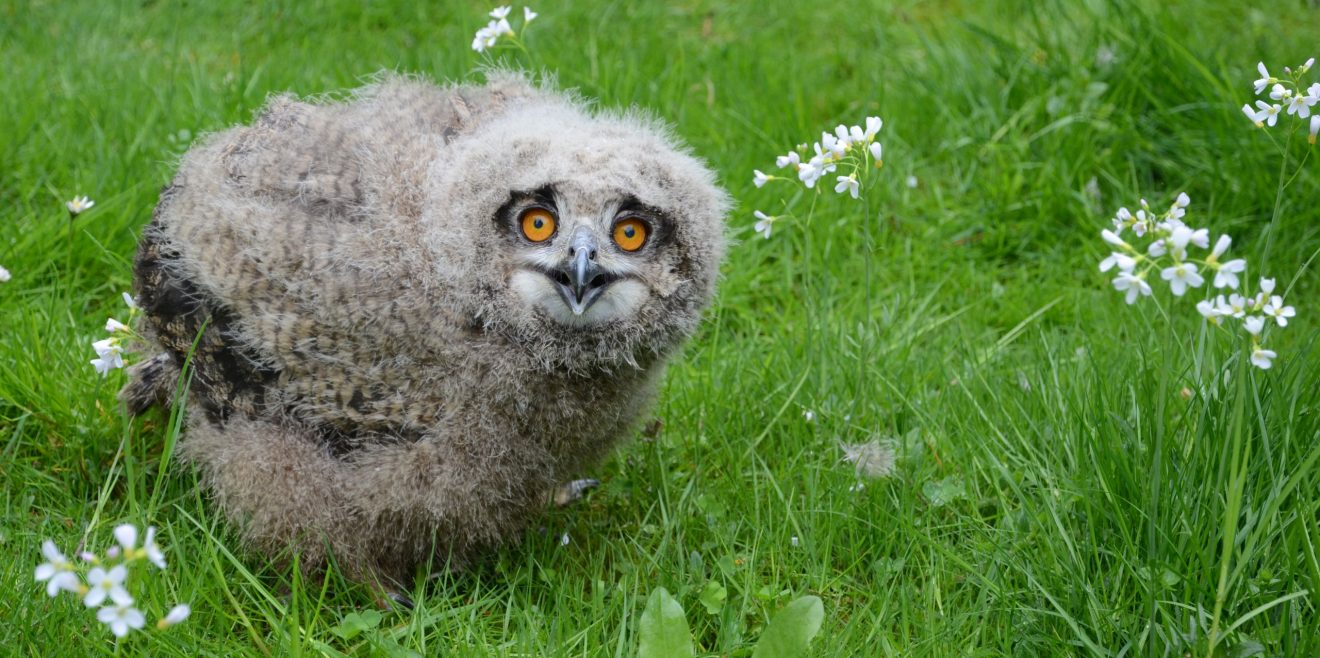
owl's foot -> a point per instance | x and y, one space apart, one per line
399 601
570 492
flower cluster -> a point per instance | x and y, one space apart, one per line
499 27
1289 98
1167 252
849 150
106 586
110 351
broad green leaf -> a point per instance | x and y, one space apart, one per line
943 492
713 596
354 623
663 629
789 631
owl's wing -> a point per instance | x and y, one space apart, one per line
290 247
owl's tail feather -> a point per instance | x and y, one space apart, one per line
151 382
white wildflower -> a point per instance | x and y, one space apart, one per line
848 183
1227 274
1183 235
759 178
78 205
873 126
876 151
1315 129
1112 238
1104 57
1236 306
528 15
1208 310
1301 106
1124 262
102 583
1262 358
1280 93
811 171
1180 277
792 159
4 275
132 303
1133 285
1267 285
121 618
1122 220
1253 115
1221 245
1179 208
764 224
501 12
845 135
152 550
1265 78
1278 311
112 325
56 571
176 616
126 534
911 182
836 147
109 356
1268 114
1254 324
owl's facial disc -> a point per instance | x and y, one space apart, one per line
582 270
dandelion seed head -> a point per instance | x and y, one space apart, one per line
872 459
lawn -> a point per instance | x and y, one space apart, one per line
1074 475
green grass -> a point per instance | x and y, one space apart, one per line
1056 494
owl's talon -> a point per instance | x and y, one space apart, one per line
398 602
570 492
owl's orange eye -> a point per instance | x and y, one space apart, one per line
538 224
630 234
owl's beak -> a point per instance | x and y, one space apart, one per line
580 279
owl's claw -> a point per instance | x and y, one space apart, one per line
396 601
570 492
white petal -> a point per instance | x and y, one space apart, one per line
94 597
51 552
126 535
120 596
1221 246
177 614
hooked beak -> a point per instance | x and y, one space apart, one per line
580 280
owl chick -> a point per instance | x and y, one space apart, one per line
411 313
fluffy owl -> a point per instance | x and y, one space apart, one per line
412 313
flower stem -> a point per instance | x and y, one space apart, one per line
1278 202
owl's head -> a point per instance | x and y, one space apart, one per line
588 236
